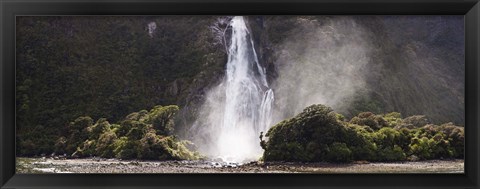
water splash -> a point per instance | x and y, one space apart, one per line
239 108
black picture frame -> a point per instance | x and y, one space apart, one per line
11 8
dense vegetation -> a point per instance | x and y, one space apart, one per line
319 134
140 135
107 67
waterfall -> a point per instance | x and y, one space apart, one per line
240 107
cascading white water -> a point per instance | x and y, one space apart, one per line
240 107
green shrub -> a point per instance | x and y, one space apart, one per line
360 141
393 119
178 149
162 119
28 147
412 122
441 146
340 117
137 116
94 131
433 141
157 147
126 127
125 148
455 135
136 137
105 144
319 134
404 138
387 137
369 119
137 131
305 137
81 123
86 149
421 148
78 133
389 153
389 143
339 152
60 145
149 147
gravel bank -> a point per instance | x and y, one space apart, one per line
93 165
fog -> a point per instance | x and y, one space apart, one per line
323 63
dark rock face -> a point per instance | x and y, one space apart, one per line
410 64
423 67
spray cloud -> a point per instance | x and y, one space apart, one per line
323 62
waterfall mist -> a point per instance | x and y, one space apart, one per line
325 63
338 61
239 108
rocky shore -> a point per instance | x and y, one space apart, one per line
97 165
